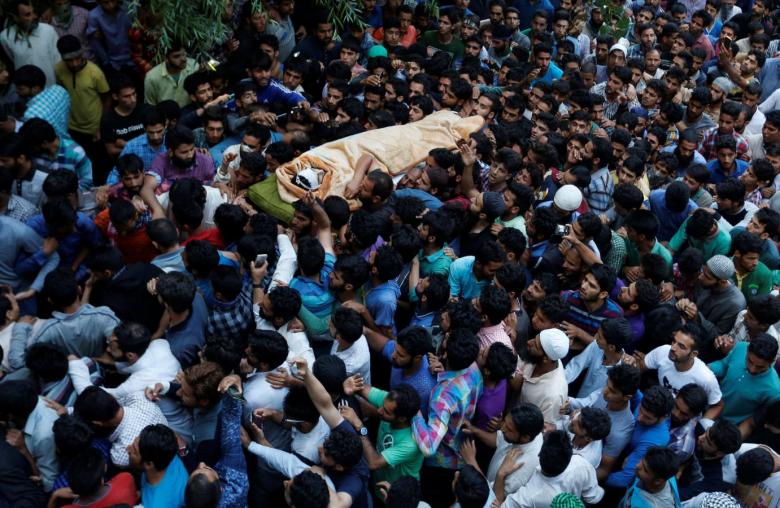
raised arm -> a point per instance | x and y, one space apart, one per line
323 222
364 163
468 153
319 395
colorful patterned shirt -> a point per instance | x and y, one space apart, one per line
707 145
70 156
453 400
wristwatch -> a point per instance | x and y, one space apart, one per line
363 431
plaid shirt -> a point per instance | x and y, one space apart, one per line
599 192
581 317
707 146
19 208
611 108
232 319
52 105
69 156
139 146
453 400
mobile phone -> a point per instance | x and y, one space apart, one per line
257 421
260 260
293 421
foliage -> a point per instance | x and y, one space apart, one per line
343 12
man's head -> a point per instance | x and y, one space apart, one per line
656 467
555 454
722 439
176 291
747 252
176 58
60 288
597 283
198 86
761 354
717 272
267 350
622 384
280 305
656 406
199 383
685 345
71 52
614 335
129 342
307 490
17 401
522 423
691 401
98 407
154 449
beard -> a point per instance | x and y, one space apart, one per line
525 354
182 163
684 161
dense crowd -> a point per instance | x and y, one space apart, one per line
570 300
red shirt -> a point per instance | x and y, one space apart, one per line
122 491
136 247
212 236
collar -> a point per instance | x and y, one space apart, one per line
432 258
449 375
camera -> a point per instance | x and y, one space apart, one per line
561 230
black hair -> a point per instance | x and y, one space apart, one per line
225 352
227 281
644 222
461 348
501 361
348 323
85 473
345 448
354 269
628 196
407 242
331 372
437 293
700 224
654 267
764 346
490 252
405 491
163 232
617 332
187 214
94 404
596 421
676 196
58 214
46 361
269 347
230 221
337 209
311 256
528 419
383 184
755 466
694 397
415 340
765 308
555 454
662 461
60 287
554 308
129 164
746 243
157 444
512 278
472 489
625 378
177 290
309 490
725 436
690 261
732 189
202 257
177 136
407 401
605 277
202 492
121 211
286 302
658 401
494 303
388 263
299 406
647 295
464 315
72 435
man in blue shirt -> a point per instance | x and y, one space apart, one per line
164 477
651 429
147 146
545 69
269 91
188 316
468 275
671 207
382 291
527 8
726 165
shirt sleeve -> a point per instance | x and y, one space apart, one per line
429 435
577 364
652 359
679 238
287 262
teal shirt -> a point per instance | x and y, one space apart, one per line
743 392
169 492
438 262
463 284
718 245
756 283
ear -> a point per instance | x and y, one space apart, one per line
349 287
133 357
634 307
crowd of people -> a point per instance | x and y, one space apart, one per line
574 305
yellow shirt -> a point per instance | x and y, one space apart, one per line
84 88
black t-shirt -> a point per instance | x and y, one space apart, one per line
114 126
353 481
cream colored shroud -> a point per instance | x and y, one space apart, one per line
393 147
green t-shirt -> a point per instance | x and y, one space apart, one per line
454 48
632 253
397 446
758 282
710 247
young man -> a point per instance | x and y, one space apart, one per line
164 479
590 306
678 364
181 159
166 80
729 113
599 356
655 483
750 275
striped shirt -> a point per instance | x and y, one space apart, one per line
580 316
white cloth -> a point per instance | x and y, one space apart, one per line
740 334
297 342
259 393
579 478
286 264
214 198
767 493
156 365
357 358
39 49
529 461
674 380
547 392
5 340
308 444
284 462
756 123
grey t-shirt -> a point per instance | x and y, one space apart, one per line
661 499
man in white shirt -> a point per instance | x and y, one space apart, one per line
134 352
587 428
545 381
349 344
521 430
267 352
274 311
678 365
559 471
758 476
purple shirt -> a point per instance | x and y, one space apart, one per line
203 169
491 403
